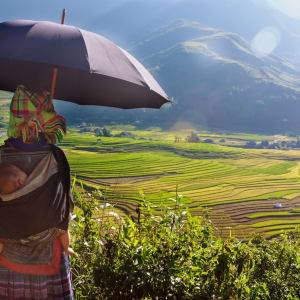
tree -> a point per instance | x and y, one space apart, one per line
193 138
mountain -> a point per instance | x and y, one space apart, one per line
216 79
219 81
129 21
207 65
133 20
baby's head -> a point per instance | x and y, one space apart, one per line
11 178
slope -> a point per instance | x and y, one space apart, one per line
218 80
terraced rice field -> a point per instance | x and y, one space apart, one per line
4 104
237 187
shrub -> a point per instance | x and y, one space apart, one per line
174 255
193 138
102 132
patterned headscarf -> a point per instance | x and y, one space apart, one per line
32 118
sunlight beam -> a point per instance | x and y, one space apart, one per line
265 41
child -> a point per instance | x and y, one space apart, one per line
11 179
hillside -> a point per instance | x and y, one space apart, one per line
219 81
129 21
4 111
216 79
138 18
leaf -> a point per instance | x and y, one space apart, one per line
73 183
99 193
114 214
81 184
172 199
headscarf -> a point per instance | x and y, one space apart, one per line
32 118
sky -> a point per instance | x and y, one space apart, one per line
85 13
290 8
78 11
81 11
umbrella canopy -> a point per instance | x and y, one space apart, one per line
92 70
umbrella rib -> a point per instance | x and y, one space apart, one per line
136 69
86 51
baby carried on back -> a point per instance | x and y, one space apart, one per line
35 196
12 179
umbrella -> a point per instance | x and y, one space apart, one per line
92 70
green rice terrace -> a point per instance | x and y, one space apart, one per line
237 187
4 104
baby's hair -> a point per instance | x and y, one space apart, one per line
8 172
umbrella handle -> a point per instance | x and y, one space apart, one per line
55 68
63 16
53 82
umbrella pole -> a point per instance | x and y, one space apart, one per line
63 16
55 68
53 82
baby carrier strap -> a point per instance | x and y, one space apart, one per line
26 161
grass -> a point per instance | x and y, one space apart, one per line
277 224
231 182
273 214
4 105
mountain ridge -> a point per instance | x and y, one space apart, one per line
216 80
216 69
218 44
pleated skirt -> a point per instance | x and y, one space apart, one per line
14 285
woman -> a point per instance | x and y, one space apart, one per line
33 264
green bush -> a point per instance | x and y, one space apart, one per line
173 255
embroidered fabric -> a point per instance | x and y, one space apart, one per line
34 250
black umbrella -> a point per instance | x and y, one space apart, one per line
92 70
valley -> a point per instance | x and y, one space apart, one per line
237 187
